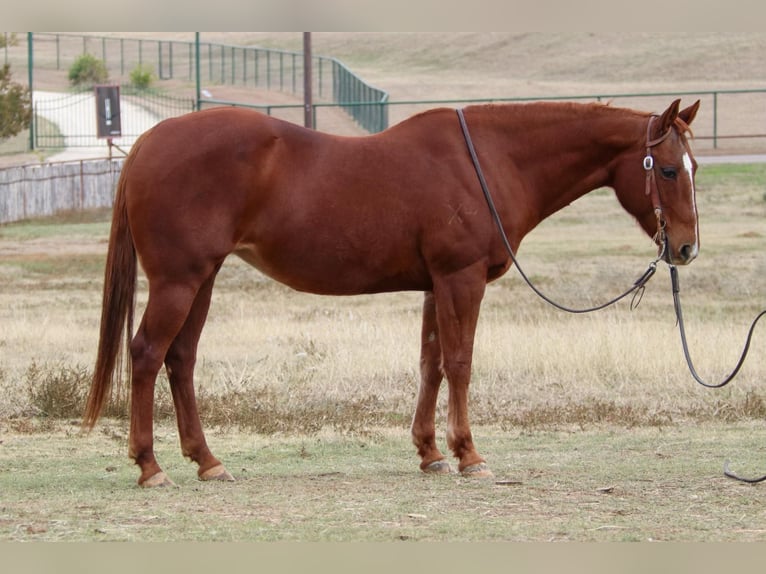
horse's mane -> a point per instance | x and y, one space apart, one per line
556 110
548 111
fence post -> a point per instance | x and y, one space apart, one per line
223 65
30 73
715 120
210 62
197 64
255 68
309 110
233 64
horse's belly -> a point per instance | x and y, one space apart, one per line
314 271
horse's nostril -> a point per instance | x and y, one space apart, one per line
687 252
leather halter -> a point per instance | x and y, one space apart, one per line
651 185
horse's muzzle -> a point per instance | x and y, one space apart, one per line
686 254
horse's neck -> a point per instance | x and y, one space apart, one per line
564 154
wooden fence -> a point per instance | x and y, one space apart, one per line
49 188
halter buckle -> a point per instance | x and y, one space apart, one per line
648 163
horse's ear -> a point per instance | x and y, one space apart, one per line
688 114
667 118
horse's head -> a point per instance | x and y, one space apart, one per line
655 183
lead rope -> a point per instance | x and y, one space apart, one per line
638 287
682 330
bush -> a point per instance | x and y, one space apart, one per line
88 70
57 391
142 76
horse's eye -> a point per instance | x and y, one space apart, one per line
669 172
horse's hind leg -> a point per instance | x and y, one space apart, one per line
166 312
179 362
423 424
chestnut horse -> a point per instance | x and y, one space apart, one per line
395 211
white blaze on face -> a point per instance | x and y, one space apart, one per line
689 170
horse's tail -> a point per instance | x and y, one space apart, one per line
117 307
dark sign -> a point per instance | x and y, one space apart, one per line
108 112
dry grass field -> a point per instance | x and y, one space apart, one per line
286 361
592 423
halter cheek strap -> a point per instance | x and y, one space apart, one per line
651 184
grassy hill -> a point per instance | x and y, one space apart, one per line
480 64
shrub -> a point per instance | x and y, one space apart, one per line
88 70
142 76
57 391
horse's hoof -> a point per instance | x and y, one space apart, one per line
438 467
158 480
480 470
218 472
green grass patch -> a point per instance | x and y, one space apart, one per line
602 485
732 175
52 270
88 223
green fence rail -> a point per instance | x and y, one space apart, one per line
715 123
719 118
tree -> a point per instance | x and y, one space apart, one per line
15 105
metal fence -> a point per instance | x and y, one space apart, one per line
720 124
734 119
175 62
729 119
46 189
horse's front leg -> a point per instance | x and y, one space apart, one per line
423 423
458 300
